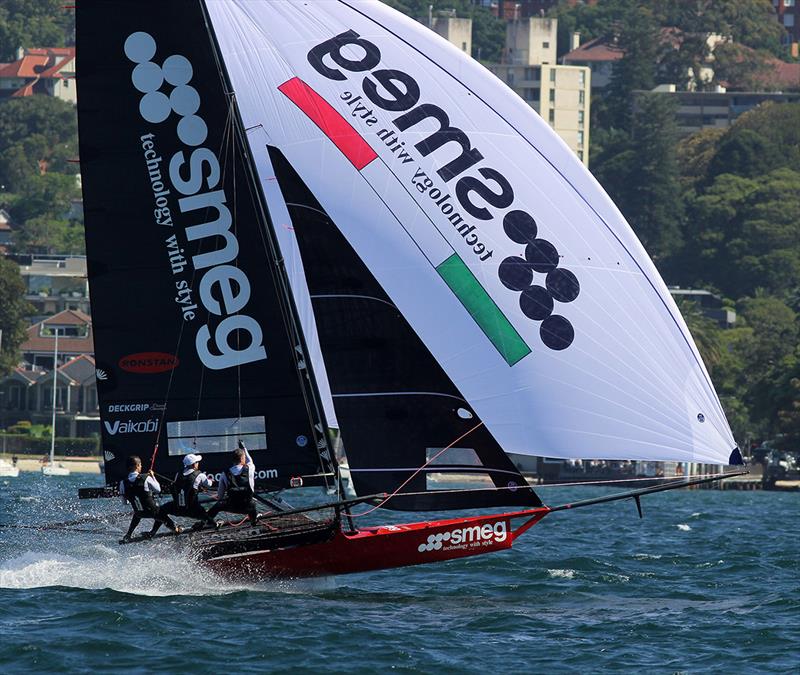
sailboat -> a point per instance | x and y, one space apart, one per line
8 470
305 215
51 468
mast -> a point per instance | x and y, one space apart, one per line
53 421
301 355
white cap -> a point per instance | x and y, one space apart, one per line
191 459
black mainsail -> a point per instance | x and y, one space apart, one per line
194 335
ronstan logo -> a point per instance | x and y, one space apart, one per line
148 362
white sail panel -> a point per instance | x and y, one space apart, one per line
497 245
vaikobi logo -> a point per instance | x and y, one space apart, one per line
466 537
131 427
224 288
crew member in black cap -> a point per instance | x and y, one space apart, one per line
237 487
138 490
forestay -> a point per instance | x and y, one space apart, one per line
500 249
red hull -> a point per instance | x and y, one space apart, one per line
383 547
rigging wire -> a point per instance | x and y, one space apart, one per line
413 475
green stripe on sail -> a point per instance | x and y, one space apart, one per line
483 309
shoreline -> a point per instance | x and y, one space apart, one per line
33 464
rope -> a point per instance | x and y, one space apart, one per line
641 479
413 475
498 489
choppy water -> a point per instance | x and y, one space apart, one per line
708 582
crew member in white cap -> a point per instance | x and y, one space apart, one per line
185 490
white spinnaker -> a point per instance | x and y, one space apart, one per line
282 223
631 383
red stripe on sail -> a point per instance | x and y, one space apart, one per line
330 122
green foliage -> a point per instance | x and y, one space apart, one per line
33 23
635 70
641 173
13 310
36 133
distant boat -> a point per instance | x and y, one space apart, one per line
8 470
471 287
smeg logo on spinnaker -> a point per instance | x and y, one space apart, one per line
223 288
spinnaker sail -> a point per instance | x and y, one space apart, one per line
497 246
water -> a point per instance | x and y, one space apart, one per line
708 582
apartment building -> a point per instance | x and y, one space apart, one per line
559 93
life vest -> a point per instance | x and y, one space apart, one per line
139 498
184 492
239 490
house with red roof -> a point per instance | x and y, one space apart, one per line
47 70
26 393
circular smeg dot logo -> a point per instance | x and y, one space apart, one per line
148 77
537 302
434 542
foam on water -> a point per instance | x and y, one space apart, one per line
561 574
150 571
683 527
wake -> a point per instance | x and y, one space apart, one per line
153 570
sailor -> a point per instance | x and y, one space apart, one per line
137 489
237 487
186 489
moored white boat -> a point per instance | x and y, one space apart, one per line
8 470
55 469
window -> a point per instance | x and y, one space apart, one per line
530 94
552 117
531 74
217 435
788 20
788 3
580 138
510 76
545 45
581 79
552 96
552 75
581 97
463 46
580 119
580 155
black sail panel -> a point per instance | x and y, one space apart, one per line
396 407
191 336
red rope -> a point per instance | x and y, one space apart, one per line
411 477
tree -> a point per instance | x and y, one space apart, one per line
641 174
635 70
46 196
33 23
742 234
749 22
705 331
694 154
744 153
13 310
